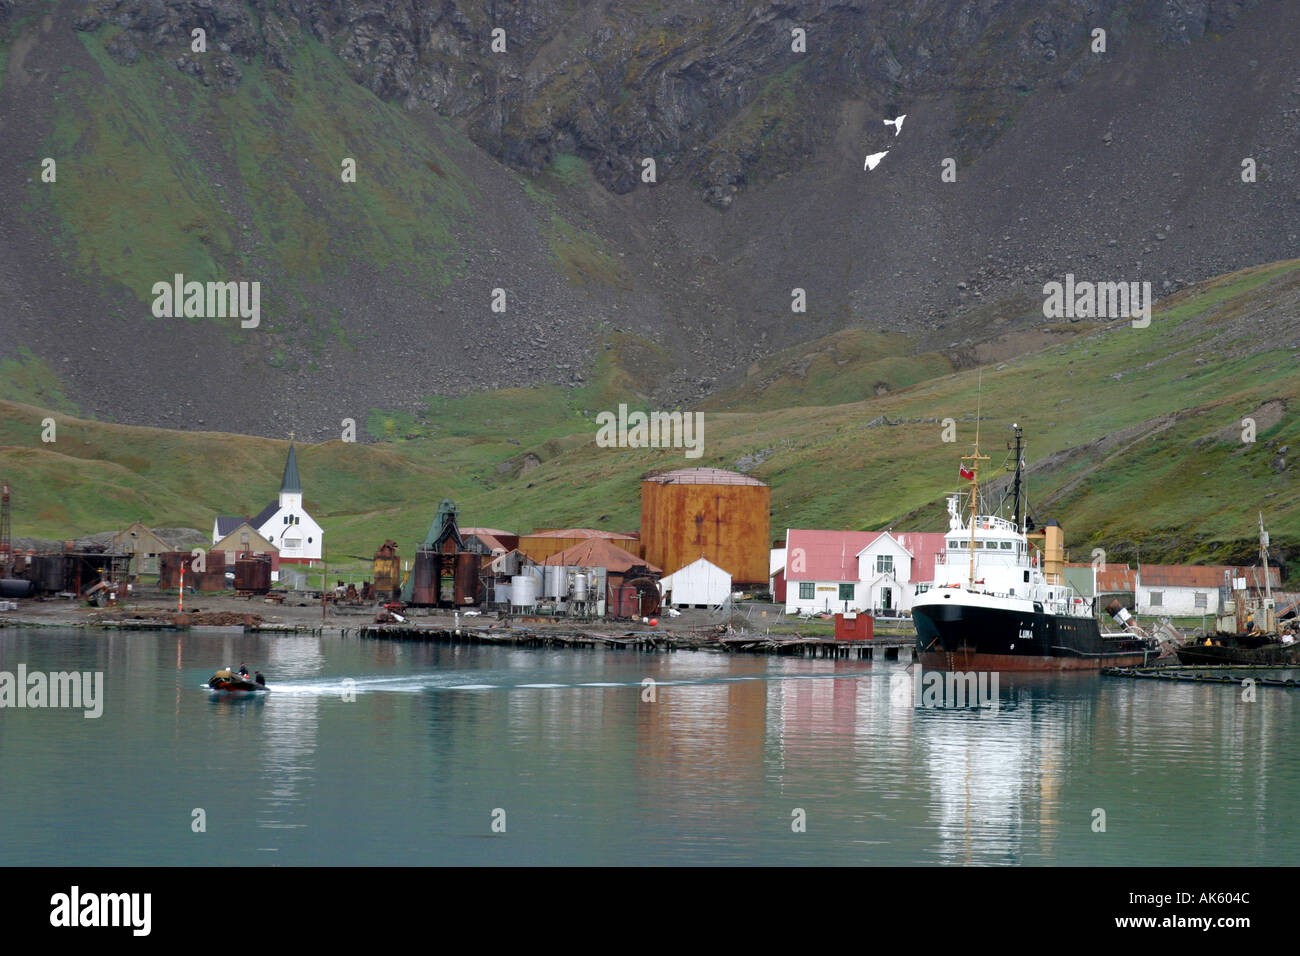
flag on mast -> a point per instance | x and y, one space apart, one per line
967 474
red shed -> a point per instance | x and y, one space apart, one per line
854 627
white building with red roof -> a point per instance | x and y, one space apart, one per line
877 572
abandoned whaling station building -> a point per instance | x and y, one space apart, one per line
1170 590
709 527
445 573
144 546
284 523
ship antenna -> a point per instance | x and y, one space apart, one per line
1015 507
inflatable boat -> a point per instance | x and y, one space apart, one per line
235 685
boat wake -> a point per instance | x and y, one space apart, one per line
444 681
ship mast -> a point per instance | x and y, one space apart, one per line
1268 585
974 458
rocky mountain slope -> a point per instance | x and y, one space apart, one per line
521 170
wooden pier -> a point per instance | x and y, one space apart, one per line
1209 674
888 648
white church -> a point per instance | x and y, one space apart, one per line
284 523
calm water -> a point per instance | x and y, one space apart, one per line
438 738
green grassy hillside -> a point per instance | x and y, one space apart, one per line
1134 445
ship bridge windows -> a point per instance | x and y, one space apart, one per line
1005 545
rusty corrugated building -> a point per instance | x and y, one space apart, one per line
694 513
493 540
540 545
387 570
622 569
212 578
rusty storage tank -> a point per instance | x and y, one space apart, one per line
426 578
623 602
253 574
45 571
387 568
169 568
16 588
213 577
707 512
467 564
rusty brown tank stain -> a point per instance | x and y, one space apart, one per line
724 516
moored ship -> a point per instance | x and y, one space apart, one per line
1000 603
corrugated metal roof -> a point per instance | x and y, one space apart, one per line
702 476
580 533
490 541
1115 579
599 553
833 555
813 555
228 523
925 547
264 515
1201 575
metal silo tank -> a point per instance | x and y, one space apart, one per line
467 578
425 577
556 584
708 512
523 591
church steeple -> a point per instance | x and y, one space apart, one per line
291 484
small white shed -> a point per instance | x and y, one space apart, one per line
700 583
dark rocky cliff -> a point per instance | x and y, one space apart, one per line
522 170
711 90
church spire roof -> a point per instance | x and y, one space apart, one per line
291 484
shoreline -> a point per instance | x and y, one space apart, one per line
696 630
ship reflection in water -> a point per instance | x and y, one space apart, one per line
372 753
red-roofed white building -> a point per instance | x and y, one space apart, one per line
874 571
